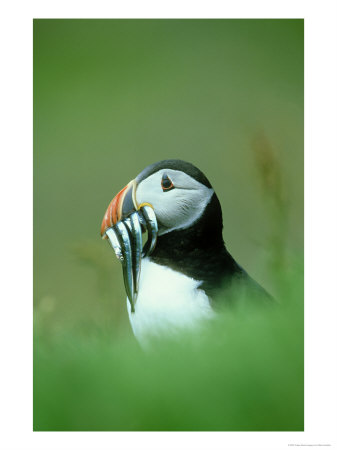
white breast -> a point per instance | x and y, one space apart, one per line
167 301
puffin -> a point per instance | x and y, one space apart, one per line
173 280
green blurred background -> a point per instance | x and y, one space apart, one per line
110 98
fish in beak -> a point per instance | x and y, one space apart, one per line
123 225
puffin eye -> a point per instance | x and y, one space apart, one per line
166 183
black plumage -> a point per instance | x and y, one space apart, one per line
199 251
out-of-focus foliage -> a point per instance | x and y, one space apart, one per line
242 371
111 97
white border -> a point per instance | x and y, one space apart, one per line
320 219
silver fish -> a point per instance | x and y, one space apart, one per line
126 239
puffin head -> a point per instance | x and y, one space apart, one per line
168 199
176 190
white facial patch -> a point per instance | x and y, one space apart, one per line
177 208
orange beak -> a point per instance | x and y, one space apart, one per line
123 224
120 206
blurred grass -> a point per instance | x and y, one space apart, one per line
244 371
111 97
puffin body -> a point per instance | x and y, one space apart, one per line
185 262
167 301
